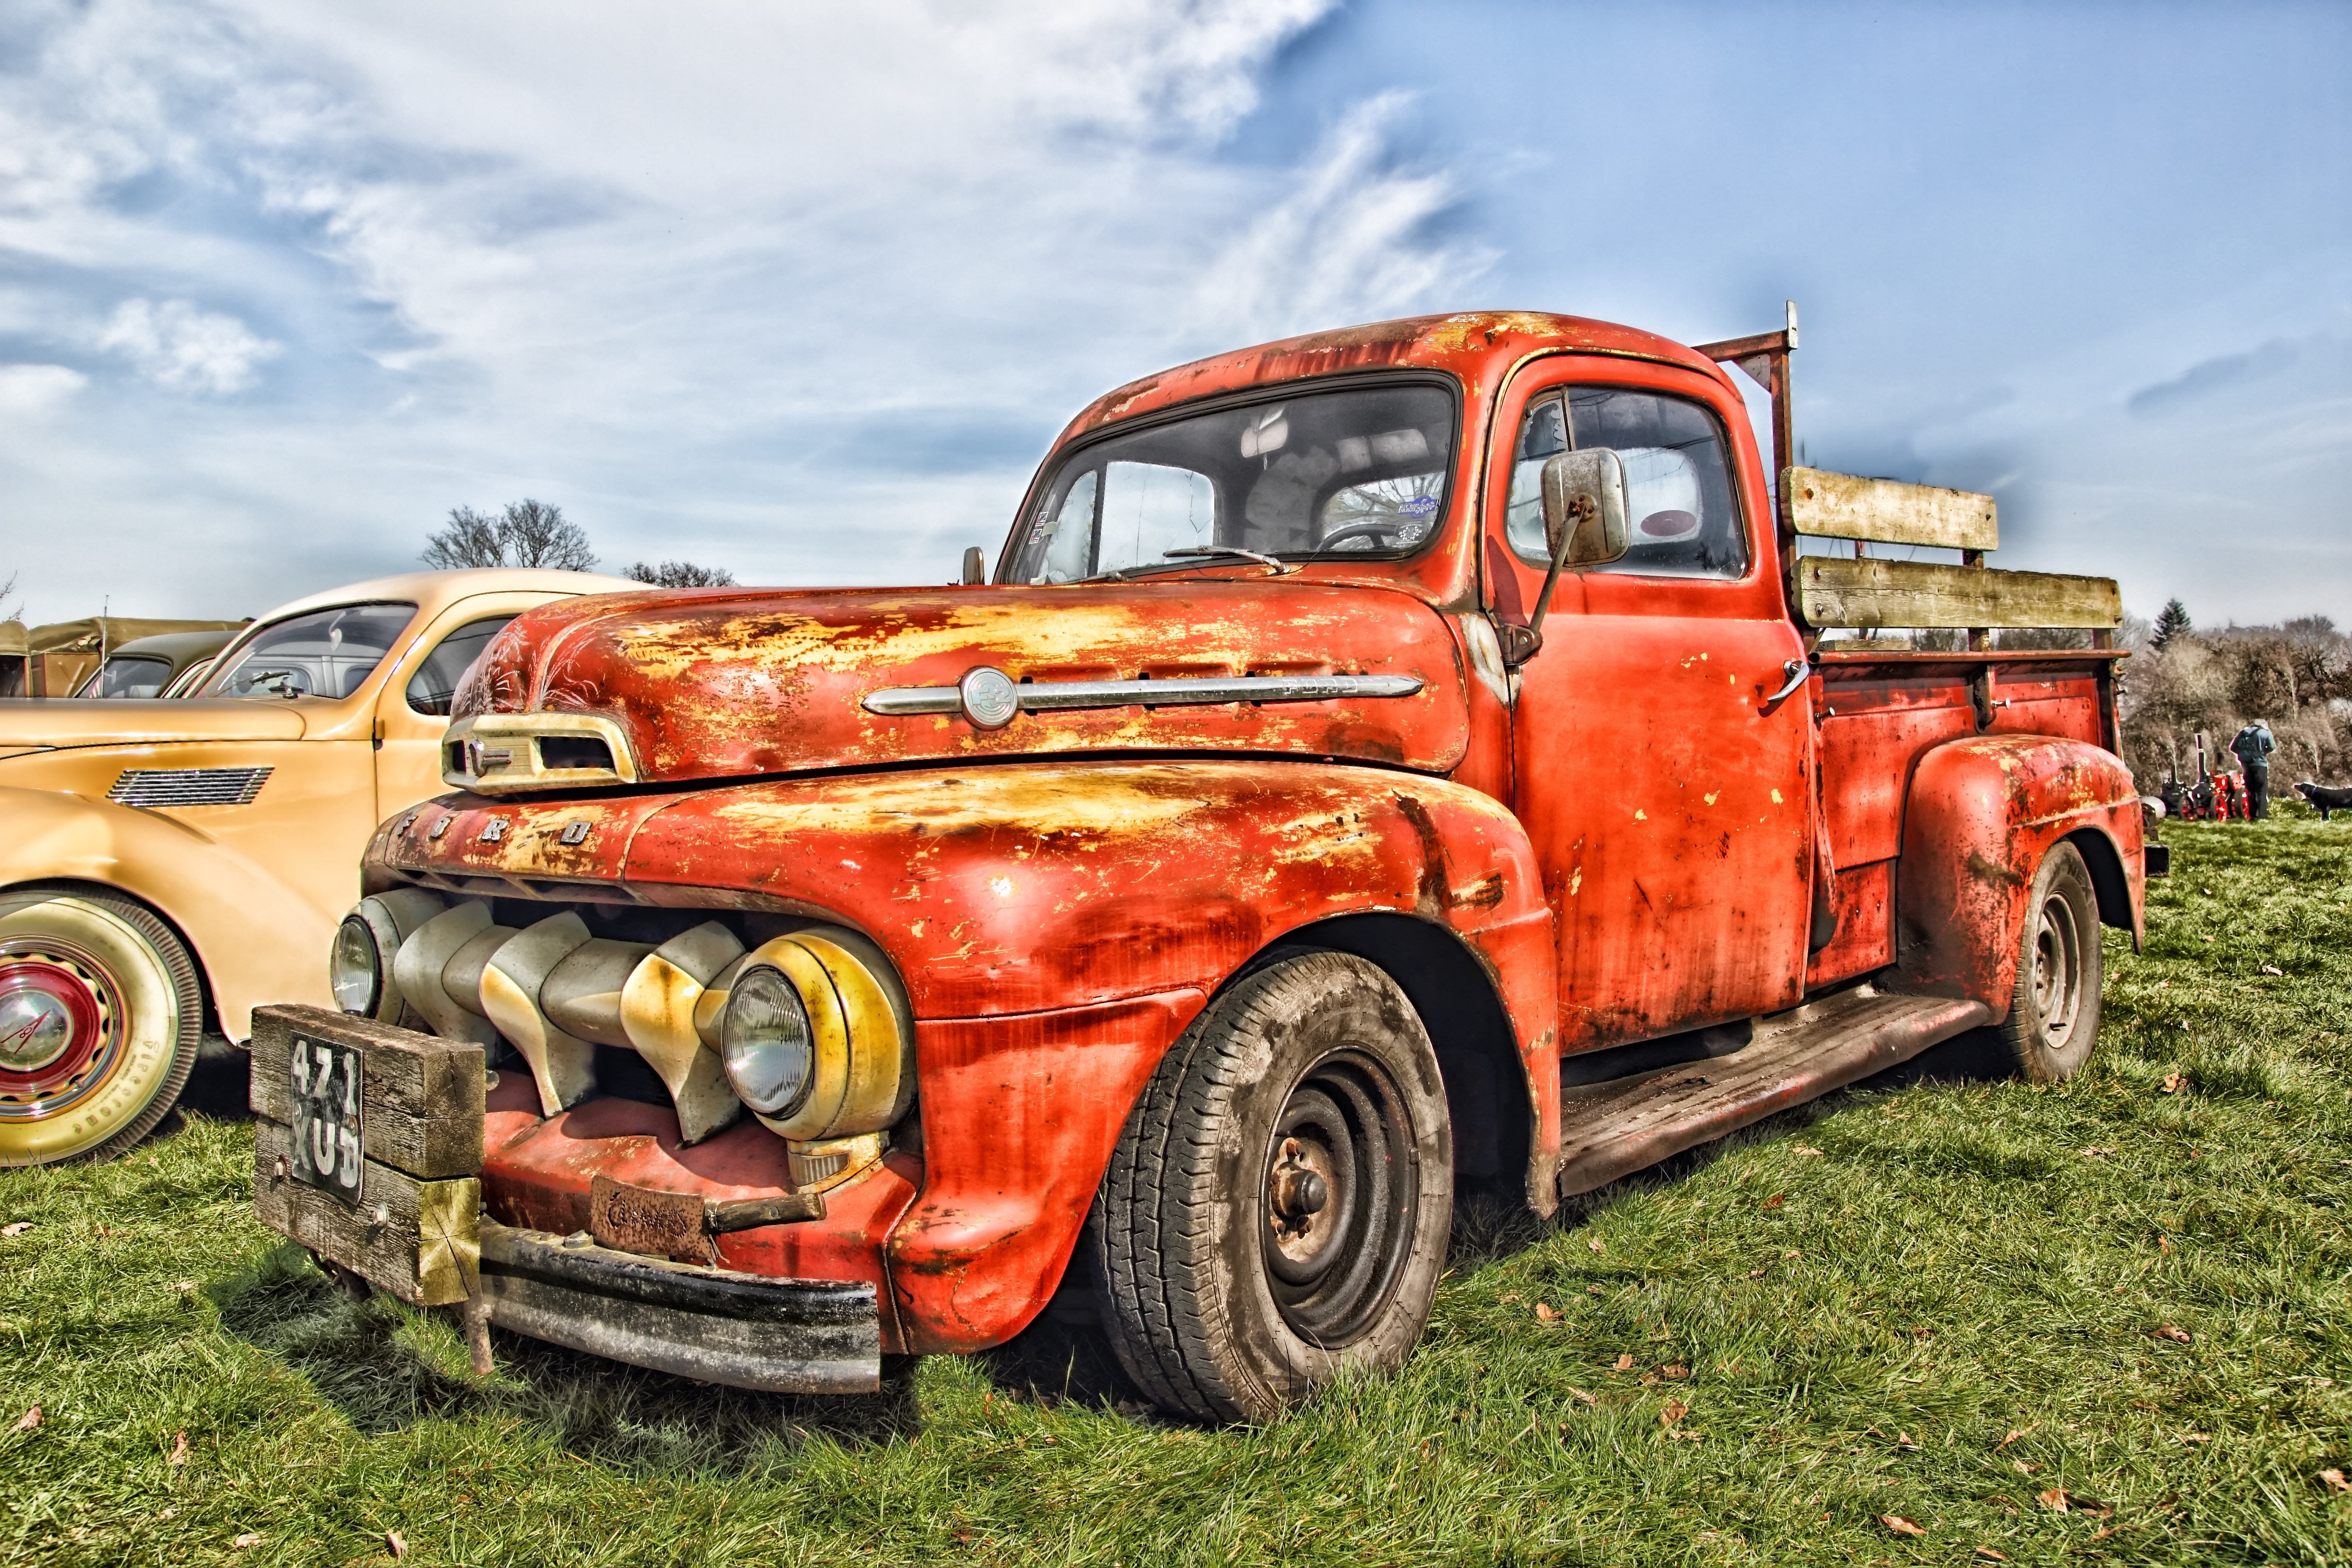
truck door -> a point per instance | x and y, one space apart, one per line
1670 802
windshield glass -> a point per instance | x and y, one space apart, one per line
128 675
1350 473
326 653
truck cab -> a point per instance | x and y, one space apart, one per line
1379 764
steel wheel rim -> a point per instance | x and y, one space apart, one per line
2057 970
86 998
1332 1268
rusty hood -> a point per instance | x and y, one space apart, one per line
735 684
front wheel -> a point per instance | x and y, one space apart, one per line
2054 1017
1278 1205
100 1016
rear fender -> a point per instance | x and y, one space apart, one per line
1981 814
255 939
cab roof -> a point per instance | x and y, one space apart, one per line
1478 346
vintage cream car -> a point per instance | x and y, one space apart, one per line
166 865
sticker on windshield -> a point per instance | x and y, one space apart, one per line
1419 505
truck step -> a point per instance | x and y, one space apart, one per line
1611 1130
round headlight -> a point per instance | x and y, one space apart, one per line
354 970
765 1043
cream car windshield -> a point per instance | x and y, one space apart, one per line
1348 473
320 653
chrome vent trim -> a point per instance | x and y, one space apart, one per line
154 787
1041 696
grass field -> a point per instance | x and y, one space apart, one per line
1953 1301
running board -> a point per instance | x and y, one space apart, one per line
1611 1130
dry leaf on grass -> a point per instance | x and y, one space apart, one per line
1588 1398
1672 1414
1544 1314
1900 1525
2014 1434
31 1419
179 1454
2055 1499
1776 1200
1677 1370
2174 1082
2273 969
2164 1245
1807 1149
247 1539
1594 1242
2023 1467
2335 1480
1903 1440
394 1544
1624 1363
15 1227
2172 1331
1989 1555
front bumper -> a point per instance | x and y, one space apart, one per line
715 1325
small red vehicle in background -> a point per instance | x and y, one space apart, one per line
1181 918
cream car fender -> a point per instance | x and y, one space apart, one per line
219 900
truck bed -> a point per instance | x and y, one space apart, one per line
1880 711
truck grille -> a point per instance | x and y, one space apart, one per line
188 786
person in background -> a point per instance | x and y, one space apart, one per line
2254 747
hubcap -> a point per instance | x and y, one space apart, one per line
2057 972
54 1030
1341 1189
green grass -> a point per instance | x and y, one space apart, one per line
1934 1300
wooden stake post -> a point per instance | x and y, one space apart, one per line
414 1230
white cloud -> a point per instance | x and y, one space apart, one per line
30 389
178 346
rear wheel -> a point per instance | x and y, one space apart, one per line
100 1016
2053 1018
1278 1205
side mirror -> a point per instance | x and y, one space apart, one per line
975 567
1584 525
1584 509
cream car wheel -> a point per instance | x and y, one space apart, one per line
100 1019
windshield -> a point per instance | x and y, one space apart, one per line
326 653
1347 474
128 675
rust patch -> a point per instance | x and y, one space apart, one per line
1992 871
648 1223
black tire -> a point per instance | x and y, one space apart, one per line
2054 1017
1228 1291
145 1023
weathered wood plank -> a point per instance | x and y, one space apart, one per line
1833 591
1843 506
419 1241
420 1099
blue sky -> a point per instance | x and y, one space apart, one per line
803 291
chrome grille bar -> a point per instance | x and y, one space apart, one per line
1041 696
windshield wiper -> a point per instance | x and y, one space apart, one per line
1190 552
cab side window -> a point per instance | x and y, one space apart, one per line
1678 499
435 684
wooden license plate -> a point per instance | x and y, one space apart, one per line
325 1133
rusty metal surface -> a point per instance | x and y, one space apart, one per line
648 1220
1982 814
735 684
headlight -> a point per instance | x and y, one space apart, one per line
765 1043
354 970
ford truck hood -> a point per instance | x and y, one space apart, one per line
33 722
733 683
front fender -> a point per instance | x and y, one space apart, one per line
255 937
1057 925
1981 814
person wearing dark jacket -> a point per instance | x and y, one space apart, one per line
2254 747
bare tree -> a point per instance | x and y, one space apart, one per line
12 607
527 534
681 575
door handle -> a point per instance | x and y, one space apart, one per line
1799 672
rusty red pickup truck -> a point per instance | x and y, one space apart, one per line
1381 765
